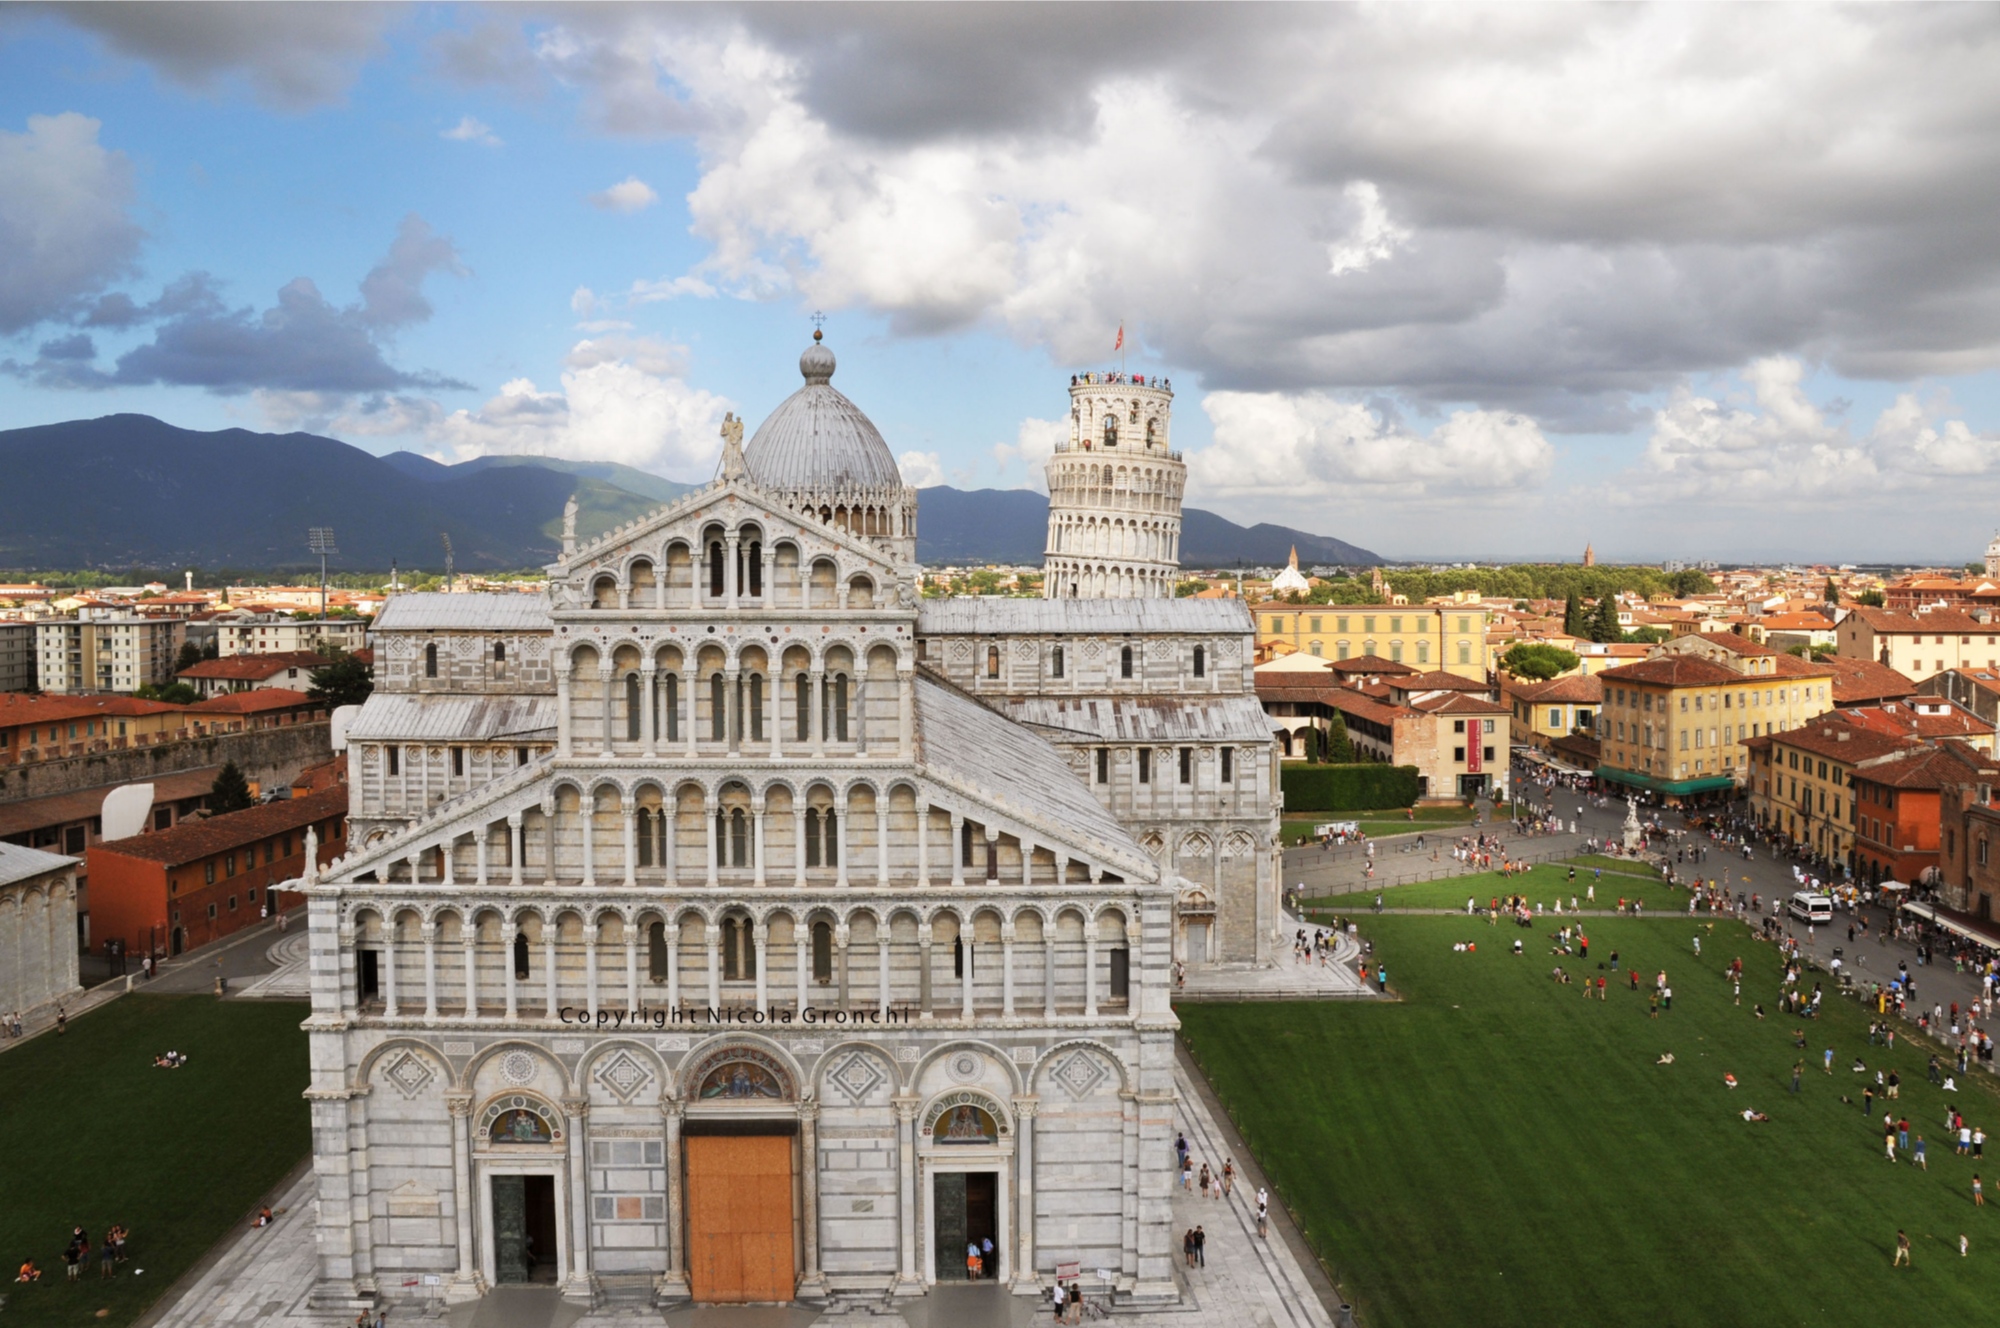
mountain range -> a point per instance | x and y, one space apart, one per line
131 491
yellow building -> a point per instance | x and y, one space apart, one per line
1802 781
1676 724
1545 711
1430 637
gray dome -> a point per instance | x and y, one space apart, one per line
818 441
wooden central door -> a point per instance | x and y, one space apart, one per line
740 1217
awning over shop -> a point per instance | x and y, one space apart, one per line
1673 788
1969 930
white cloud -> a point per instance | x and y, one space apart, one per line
921 469
1287 446
1393 197
1034 443
1373 238
671 288
470 130
1783 451
64 227
630 194
621 400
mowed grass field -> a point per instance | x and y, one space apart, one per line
1494 1149
91 1134
1451 821
1543 883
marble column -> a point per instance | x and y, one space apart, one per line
1049 967
882 968
479 852
1007 969
907 1281
591 936
469 948
757 840
840 840
842 933
906 712
813 1282
579 1285
563 742
516 847
732 701
712 832
759 933
816 709
1024 1193
628 812
632 968
882 839
549 967
965 948
549 827
586 816
923 842
732 573
445 864
992 854
605 677
957 851
389 1010
466 1281
799 839
714 937
1090 968
649 690
670 810
672 935
923 970
801 962
512 985
430 970
673 1283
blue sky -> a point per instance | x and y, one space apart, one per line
1451 283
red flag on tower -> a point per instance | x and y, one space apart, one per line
1120 343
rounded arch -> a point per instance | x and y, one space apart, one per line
601 1052
995 1054
382 1051
719 1051
1058 1050
541 1055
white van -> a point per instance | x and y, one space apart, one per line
1811 906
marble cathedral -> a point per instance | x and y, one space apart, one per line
731 925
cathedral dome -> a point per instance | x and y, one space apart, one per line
819 442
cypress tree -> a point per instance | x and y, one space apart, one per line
230 792
1574 623
1605 625
1339 747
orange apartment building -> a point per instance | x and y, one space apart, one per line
204 879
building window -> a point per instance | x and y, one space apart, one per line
229 864
1340 649
1145 765
822 953
1488 753
208 871
431 660
1465 652
1201 655
1228 764
715 569
1396 652
718 708
1125 661
1103 765
739 950
1056 663
993 661
1187 765
499 652
1121 974
635 708
1423 652
1458 755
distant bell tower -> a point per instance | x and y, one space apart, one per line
1115 492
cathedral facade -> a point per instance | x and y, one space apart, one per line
717 928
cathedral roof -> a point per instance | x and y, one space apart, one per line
962 741
817 441
995 614
452 717
480 611
1163 720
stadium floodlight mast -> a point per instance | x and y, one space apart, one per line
320 540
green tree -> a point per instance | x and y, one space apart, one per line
1194 585
1604 622
174 693
1537 661
1832 595
1339 748
1646 635
1869 599
343 680
1574 623
1691 582
230 792
189 657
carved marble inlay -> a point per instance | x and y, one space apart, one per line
1080 1073
964 1066
623 1076
409 1073
517 1067
857 1075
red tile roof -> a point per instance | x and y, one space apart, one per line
1369 664
1938 622
1579 689
1859 680
1675 671
191 841
254 668
257 702
31 708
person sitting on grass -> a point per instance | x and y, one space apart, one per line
1754 1115
28 1273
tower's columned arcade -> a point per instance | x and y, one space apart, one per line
1115 492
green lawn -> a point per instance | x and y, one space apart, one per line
95 1135
1493 1149
1544 882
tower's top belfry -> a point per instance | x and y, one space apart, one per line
1115 492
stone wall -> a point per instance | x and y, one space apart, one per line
265 756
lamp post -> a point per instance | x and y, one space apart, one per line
320 540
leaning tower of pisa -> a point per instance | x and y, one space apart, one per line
1115 493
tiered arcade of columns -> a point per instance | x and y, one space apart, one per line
1115 493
